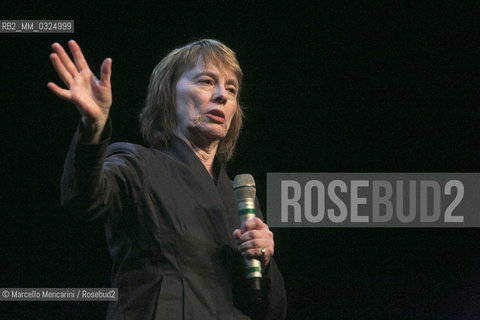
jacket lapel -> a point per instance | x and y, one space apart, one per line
215 199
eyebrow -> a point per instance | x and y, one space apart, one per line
215 76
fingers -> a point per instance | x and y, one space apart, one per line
258 253
252 230
64 58
252 240
61 93
62 72
262 250
252 244
254 223
250 235
255 238
77 54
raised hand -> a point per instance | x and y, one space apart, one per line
91 96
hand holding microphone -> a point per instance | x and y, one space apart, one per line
255 240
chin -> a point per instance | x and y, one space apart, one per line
216 133
207 135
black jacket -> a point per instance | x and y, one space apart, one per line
169 231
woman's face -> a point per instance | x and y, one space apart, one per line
206 100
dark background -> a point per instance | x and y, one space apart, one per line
341 87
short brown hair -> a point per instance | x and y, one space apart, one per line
158 121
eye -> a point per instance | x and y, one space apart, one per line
206 81
232 90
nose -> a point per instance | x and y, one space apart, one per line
219 95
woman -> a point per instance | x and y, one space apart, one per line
169 210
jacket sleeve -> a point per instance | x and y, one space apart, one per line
275 295
99 180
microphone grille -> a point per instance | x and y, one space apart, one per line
243 180
244 186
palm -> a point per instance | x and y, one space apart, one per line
92 97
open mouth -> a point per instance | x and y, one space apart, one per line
216 115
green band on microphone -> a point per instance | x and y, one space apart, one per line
246 211
253 269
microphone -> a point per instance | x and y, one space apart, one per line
244 190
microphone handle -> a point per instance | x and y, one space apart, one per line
253 266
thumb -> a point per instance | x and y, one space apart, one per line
106 71
236 233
